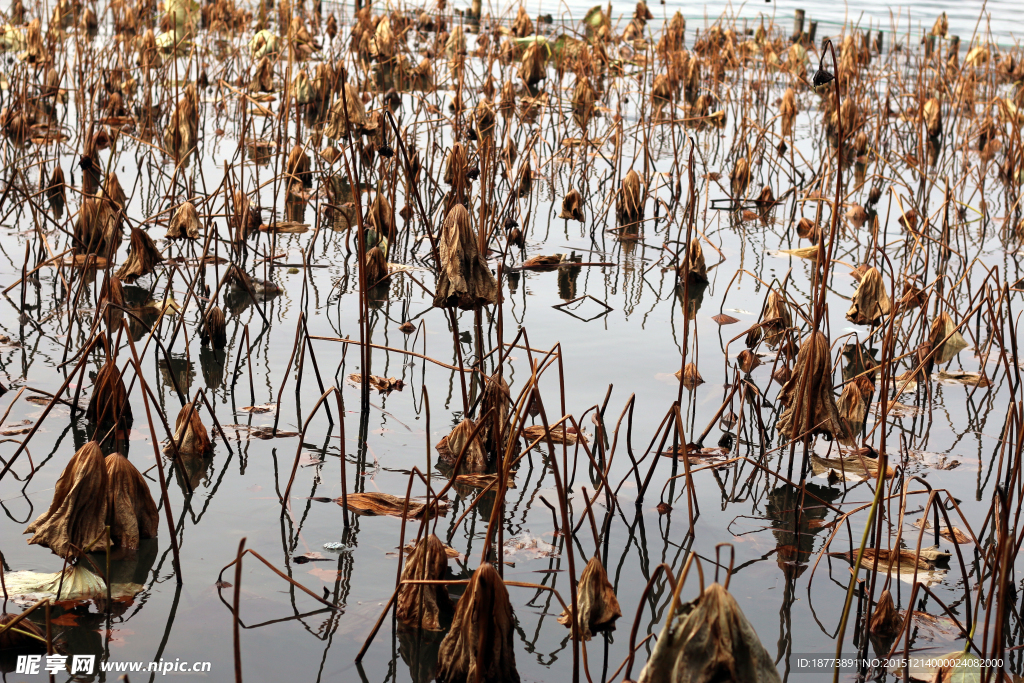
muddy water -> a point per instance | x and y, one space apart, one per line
623 339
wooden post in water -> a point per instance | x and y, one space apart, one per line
879 41
798 25
812 31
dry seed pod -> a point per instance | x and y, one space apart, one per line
55 193
691 377
184 223
933 118
110 302
598 606
464 280
130 502
522 26
214 329
348 115
814 410
886 621
739 178
244 219
709 639
857 215
871 302
629 202
776 319
808 230
109 401
788 112
572 206
481 642
143 256
747 361
583 102
77 517
484 116
376 269
299 166
450 446
196 441
422 605
696 271
507 102
496 400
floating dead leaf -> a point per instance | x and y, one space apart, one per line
558 435
800 252
943 328
690 376
849 468
723 319
373 503
903 563
384 385
975 379
953 536
480 481
265 408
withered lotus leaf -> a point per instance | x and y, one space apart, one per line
598 606
110 299
97 228
871 302
182 130
422 605
215 329
945 337
449 447
184 223
376 269
18 638
480 645
709 639
572 206
464 280
196 440
739 177
133 510
690 376
811 408
533 67
143 256
77 517
629 202
886 621
696 269
109 401
496 400
776 319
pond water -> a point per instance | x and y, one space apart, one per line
616 324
